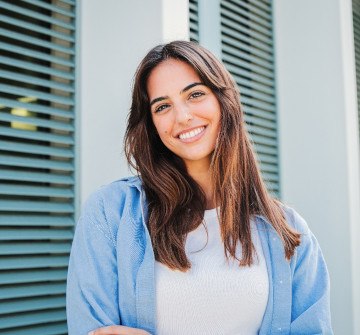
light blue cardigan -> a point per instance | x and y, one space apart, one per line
111 270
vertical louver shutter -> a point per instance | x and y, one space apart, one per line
194 20
247 51
37 119
356 22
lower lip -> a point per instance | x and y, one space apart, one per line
194 138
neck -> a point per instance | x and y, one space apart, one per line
201 174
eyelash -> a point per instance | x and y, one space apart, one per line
160 109
196 94
193 95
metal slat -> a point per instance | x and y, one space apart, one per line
239 72
250 67
267 158
36 135
257 104
36 41
52 8
26 92
37 122
265 150
269 168
33 66
262 65
36 149
36 220
356 26
34 248
252 20
248 43
267 141
193 20
256 95
259 113
239 29
36 177
193 26
24 305
28 262
35 234
27 319
69 2
253 86
36 191
271 133
261 4
35 206
32 276
242 80
35 163
47 329
260 122
32 107
263 12
36 81
193 5
229 17
263 57
32 290
36 54
36 15
36 28
270 177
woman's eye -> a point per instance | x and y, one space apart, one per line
161 108
196 95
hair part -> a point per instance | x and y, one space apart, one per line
176 202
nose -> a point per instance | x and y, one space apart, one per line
183 113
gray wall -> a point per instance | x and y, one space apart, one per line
114 38
319 140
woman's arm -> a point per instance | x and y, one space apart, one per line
311 285
92 285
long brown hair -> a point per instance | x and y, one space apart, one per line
176 202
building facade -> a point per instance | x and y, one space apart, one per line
66 71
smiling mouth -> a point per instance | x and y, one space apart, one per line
191 134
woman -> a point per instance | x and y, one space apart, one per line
195 244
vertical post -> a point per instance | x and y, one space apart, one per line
319 138
210 25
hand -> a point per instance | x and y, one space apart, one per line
118 330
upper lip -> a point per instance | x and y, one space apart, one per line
189 129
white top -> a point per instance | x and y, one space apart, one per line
216 296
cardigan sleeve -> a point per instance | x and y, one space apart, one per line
310 312
91 297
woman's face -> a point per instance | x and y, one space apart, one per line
185 112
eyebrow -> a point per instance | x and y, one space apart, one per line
188 87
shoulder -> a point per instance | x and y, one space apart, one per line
293 219
307 239
105 207
113 193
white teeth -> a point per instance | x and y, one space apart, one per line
191 133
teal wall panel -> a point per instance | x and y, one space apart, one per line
37 168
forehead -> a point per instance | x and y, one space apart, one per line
170 76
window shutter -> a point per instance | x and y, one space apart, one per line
247 52
194 20
356 23
37 163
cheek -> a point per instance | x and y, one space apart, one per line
163 129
